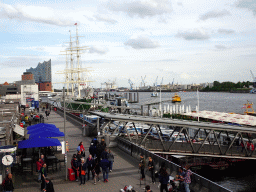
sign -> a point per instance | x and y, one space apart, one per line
8 150
19 129
28 99
21 124
84 125
62 147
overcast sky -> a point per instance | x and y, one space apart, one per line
190 41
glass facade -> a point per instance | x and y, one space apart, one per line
43 72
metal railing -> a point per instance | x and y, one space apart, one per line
197 181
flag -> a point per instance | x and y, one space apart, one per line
75 23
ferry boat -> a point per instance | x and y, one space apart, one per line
176 98
247 107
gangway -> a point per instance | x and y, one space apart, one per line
211 145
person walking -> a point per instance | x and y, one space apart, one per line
48 185
43 172
142 167
92 150
82 149
147 189
96 171
187 179
39 165
104 164
7 184
163 179
47 113
104 154
90 165
79 156
82 171
110 158
151 168
75 165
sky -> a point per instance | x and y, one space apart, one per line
185 41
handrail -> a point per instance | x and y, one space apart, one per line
196 179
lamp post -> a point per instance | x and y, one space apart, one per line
65 144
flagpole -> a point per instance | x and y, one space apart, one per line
198 105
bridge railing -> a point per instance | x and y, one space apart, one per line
198 182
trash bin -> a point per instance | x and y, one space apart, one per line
71 174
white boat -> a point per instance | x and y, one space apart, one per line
154 94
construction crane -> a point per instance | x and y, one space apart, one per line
162 81
156 81
253 79
143 83
131 83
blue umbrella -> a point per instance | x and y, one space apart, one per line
43 129
40 125
46 133
38 142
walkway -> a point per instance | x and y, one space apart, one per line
125 171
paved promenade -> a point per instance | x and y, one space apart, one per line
125 168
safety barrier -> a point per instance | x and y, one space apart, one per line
198 183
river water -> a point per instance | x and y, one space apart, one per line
239 178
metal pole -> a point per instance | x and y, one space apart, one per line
65 134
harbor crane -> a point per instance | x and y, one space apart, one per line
253 79
162 81
131 83
143 83
156 81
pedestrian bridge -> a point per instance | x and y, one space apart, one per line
218 140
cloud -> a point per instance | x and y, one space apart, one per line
193 35
141 8
35 14
141 42
220 47
214 14
180 3
226 31
98 50
26 61
101 18
247 4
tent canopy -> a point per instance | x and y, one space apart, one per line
46 133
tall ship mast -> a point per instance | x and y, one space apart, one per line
76 76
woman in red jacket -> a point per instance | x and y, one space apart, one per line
81 148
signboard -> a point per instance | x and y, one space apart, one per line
62 147
28 99
19 129
8 150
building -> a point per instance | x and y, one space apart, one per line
6 89
26 79
42 75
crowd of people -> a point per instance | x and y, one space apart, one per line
99 160
165 183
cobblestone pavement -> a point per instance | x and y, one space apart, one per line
125 170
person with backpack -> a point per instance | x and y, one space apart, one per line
7 184
92 150
104 164
163 179
110 158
